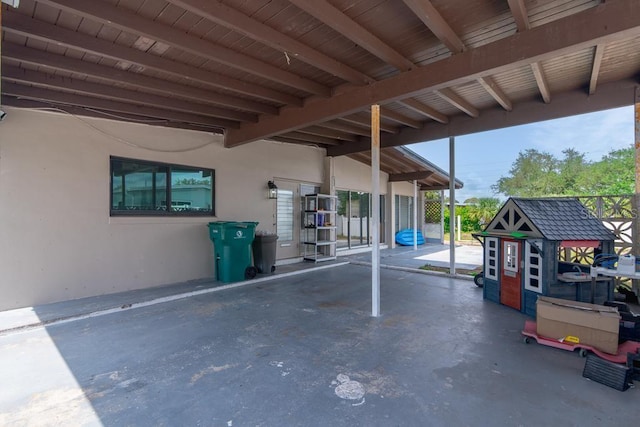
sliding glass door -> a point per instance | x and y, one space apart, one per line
355 219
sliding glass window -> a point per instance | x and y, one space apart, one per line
146 188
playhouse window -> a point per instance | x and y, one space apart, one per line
511 256
491 257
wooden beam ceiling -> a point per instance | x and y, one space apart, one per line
494 90
598 54
334 18
541 81
608 22
130 22
48 95
410 176
226 16
109 74
458 101
423 109
608 95
19 75
38 30
428 14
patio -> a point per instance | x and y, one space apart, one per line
297 349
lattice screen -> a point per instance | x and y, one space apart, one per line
432 211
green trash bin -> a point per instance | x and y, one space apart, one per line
232 250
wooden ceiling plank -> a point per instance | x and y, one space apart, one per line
520 15
329 133
392 115
598 54
291 140
345 127
366 121
41 94
23 25
423 109
410 176
91 112
17 74
132 23
311 138
494 90
334 18
577 101
457 101
601 24
428 14
114 75
541 81
235 20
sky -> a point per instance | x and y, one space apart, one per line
482 158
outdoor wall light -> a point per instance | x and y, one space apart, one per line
273 190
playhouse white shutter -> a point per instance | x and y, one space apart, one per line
533 266
491 258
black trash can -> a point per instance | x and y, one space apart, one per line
264 252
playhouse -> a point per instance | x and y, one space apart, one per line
524 246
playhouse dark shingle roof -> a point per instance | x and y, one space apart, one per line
563 219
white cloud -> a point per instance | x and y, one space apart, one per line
594 134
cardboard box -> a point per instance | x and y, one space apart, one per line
591 324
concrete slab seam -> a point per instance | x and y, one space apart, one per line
73 318
416 270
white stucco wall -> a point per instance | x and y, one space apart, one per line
57 240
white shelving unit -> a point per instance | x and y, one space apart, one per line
319 222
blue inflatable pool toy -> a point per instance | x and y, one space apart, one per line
405 237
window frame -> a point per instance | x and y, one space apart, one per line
161 213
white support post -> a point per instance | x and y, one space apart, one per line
452 205
375 194
636 240
442 217
415 215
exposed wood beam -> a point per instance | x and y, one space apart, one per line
114 75
334 18
345 127
541 81
311 138
291 140
436 23
392 115
608 95
410 176
601 24
29 77
120 18
360 120
457 101
49 95
329 133
598 54
89 112
494 90
520 15
231 18
421 108
17 23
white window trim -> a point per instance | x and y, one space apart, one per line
487 257
505 264
527 266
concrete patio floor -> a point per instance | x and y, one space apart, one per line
299 350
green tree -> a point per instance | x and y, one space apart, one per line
613 175
533 174
573 170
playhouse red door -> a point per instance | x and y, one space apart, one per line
510 275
